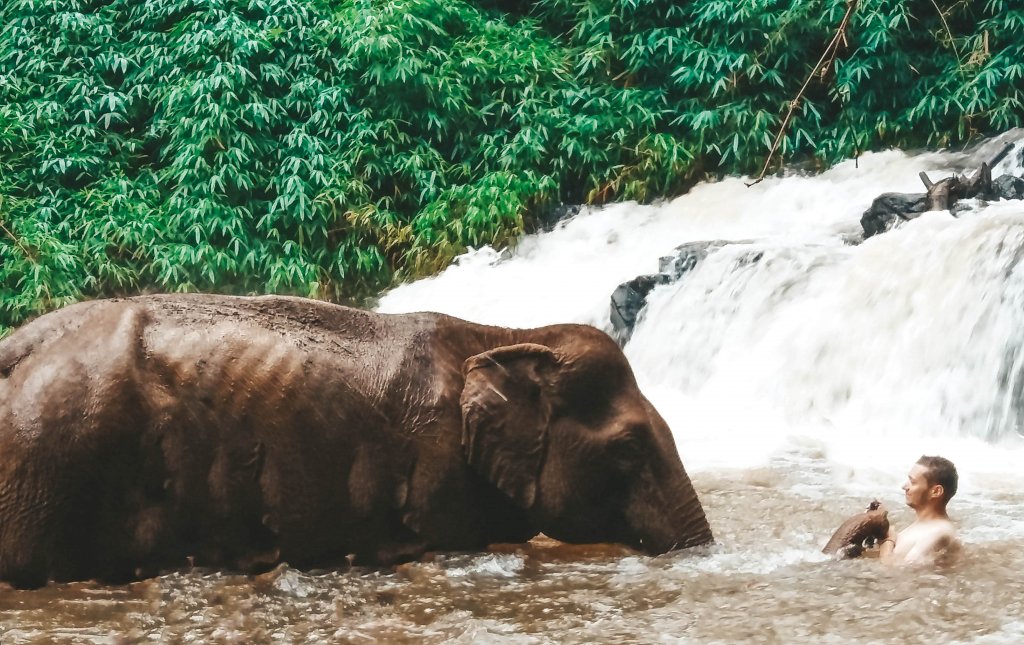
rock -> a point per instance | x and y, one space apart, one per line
629 298
686 256
889 208
965 205
548 219
1008 187
955 194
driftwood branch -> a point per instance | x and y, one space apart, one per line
830 55
942 194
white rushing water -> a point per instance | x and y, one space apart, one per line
865 355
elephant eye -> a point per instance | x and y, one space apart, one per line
629 446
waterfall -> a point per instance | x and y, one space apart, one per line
793 336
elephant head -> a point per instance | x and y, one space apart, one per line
562 429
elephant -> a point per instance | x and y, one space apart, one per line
858 531
145 434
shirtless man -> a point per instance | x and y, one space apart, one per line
930 484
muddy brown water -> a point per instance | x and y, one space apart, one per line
764 581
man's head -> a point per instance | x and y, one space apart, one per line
932 481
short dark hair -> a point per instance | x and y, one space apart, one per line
941 471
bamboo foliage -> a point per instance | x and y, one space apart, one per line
329 148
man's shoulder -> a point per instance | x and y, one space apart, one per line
928 540
934 531
941 526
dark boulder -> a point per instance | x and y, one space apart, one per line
630 297
686 256
1008 187
548 219
890 208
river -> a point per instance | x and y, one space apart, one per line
799 386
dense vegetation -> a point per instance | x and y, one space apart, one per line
329 147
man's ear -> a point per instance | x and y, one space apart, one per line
937 491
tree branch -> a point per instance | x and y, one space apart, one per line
830 54
14 237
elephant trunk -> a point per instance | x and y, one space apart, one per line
692 527
668 519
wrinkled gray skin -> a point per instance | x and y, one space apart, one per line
137 435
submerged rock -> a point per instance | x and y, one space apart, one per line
547 220
889 208
1009 187
630 297
686 256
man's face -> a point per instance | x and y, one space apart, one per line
916 488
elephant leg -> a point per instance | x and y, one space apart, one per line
23 561
27 526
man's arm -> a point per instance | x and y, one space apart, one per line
887 546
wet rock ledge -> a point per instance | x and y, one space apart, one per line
887 211
629 298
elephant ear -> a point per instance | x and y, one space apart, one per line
506 409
